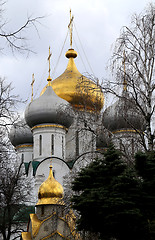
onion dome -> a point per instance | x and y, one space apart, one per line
50 191
48 108
79 91
20 133
122 115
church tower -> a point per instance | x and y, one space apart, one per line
50 220
55 124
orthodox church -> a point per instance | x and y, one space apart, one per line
66 125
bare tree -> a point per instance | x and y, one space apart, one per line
133 65
16 39
8 104
14 186
15 192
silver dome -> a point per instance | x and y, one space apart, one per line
122 115
20 133
48 108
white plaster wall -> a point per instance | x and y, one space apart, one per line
27 153
87 141
128 142
71 143
46 133
84 160
86 137
30 170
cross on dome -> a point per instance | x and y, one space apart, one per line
49 70
70 26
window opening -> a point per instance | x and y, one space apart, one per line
52 144
22 157
63 147
77 143
40 145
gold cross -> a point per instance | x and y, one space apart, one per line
33 80
70 26
49 70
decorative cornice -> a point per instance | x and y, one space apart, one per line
50 125
102 149
24 146
52 234
26 236
36 223
125 130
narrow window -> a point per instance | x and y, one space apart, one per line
93 141
40 145
54 173
52 144
22 157
77 143
42 210
63 147
120 145
132 145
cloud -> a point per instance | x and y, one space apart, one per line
98 24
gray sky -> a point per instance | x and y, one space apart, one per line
98 24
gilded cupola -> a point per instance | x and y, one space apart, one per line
81 92
50 191
75 88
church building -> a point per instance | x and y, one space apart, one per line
66 125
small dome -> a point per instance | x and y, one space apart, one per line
20 133
50 191
48 108
79 91
122 115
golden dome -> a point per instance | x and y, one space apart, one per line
75 88
50 191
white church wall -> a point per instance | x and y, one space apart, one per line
128 142
48 141
80 139
71 146
25 152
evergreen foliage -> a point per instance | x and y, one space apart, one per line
107 196
145 166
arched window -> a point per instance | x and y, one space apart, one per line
52 144
54 173
42 210
132 145
63 147
120 145
40 145
22 157
77 143
93 141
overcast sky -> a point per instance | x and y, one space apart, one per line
98 24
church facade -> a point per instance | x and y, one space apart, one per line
67 127
65 124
